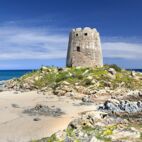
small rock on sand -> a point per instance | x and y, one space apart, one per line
36 119
44 110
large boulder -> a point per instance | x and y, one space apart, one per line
122 106
112 71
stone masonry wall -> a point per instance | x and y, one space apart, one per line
84 48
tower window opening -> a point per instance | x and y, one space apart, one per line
85 34
76 34
78 49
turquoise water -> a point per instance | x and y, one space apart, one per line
9 74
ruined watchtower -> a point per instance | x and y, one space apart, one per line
84 48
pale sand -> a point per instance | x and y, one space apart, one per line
15 126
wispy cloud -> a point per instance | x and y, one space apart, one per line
38 43
122 50
21 43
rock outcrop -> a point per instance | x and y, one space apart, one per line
116 93
97 127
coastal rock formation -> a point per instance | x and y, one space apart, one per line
97 126
115 94
122 106
87 81
84 48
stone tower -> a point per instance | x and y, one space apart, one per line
84 48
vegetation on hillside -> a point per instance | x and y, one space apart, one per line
96 77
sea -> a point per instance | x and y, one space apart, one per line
10 74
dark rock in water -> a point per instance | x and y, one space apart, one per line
122 106
44 110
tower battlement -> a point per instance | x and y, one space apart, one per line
84 48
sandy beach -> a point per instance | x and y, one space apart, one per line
16 126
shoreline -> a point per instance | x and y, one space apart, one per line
69 100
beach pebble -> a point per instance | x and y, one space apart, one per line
36 119
15 105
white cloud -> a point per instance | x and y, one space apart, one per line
29 43
122 50
21 43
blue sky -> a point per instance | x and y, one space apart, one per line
35 32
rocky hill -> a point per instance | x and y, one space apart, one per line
84 80
117 93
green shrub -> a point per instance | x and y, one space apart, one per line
117 68
47 80
98 132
